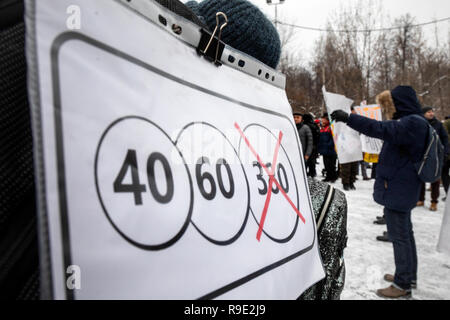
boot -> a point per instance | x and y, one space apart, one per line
390 278
352 186
346 187
420 204
433 206
393 293
380 221
383 238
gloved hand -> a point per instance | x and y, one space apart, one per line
340 116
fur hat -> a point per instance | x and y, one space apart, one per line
384 99
248 29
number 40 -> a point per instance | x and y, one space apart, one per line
136 187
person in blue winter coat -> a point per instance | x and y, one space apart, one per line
397 185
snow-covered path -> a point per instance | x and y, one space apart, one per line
367 259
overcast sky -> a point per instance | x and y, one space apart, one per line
314 13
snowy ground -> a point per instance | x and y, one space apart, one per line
367 259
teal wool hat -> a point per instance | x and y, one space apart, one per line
248 29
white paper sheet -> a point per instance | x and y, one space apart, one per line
370 145
150 189
347 140
444 236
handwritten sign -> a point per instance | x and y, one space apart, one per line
370 145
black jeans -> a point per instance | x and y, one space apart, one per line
363 169
330 167
445 176
400 232
311 165
373 175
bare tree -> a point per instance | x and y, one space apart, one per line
357 57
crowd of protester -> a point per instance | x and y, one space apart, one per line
317 141
397 184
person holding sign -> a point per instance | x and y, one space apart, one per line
397 185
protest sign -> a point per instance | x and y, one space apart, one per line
370 145
160 174
347 140
371 158
444 236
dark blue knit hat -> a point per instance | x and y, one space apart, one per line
248 29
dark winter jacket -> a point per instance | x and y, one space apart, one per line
326 142
397 184
315 130
306 138
443 136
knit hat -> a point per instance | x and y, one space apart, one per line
307 118
426 109
248 29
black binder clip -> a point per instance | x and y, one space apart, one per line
213 47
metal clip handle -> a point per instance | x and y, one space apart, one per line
214 33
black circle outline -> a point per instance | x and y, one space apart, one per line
183 229
289 238
241 230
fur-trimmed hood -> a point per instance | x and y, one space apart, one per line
384 100
398 103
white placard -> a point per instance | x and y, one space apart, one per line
444 236
155 179
370 145
346 140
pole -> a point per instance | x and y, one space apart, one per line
276 16
270 3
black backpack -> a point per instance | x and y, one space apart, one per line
429 168
19 261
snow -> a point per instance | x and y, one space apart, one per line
367 260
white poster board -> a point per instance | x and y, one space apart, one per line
153 163
346 140
444 236
370 145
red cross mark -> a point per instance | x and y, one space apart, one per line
272 179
